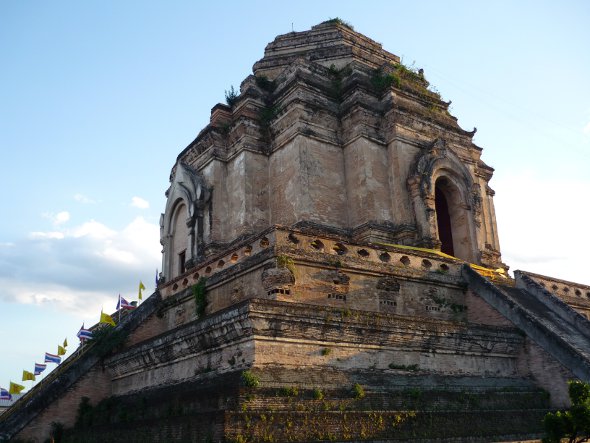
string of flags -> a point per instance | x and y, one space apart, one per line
83 335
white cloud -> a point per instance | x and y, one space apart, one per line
586 129
68 267
61 217
57 219
83 199
92 229
140 203
542 225
46 235
84 303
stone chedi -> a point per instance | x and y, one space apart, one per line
331 271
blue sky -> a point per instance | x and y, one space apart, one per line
98 98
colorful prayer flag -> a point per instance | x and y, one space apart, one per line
28 376
65 343
52 358
124 304
39 367
157 278
84 334
15 388
61 350
106 318
141 288
5 395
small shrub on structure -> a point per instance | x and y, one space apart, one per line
404 367
231 96
200 296
286 262
318 394
250 380
339 21
289 392
358 391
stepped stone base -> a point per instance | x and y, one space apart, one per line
220 408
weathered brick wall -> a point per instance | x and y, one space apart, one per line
95 384
547 372
151 327
217 344
306 336
478 311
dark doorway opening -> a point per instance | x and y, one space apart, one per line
443 219
181 262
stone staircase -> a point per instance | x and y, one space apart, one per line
557 328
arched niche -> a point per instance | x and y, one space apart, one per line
181 225
179 237
454 221
441 189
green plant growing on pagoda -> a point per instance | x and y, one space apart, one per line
339 21
250 380
200 296
231 96
358 391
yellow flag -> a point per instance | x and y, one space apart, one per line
106 318
28 376
65 342
141 288
15 388
61 350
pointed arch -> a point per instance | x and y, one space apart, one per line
181 225
440 186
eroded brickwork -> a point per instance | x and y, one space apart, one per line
95 384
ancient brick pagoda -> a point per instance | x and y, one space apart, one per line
331 271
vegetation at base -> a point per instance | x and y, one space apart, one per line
358 391
250 380
289 392
339 21
318 394
326 351
231 96
573 424
200 295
